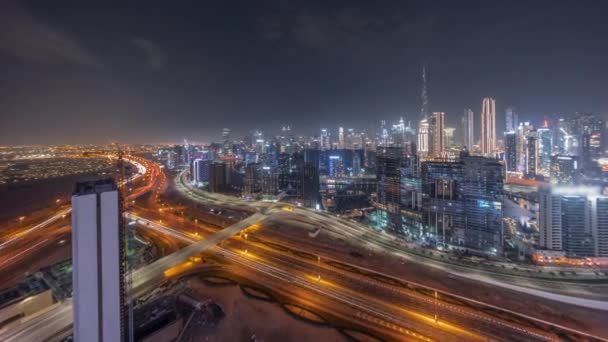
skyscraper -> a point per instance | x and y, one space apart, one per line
442 202
97 258
227 143
325 143
217 176
448 133
488 125
511 119
468 129
549 220
532 155
437 135
424 98
310 185
252 183
388 176
524 130
511 151
599 225
482 187
341 137
356 169
462 201
571 220
423 138
545 146
201 170
564 169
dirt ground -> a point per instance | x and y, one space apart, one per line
246 317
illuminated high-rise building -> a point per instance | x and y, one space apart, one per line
511 119
577 239
398 134
550 220
436 134
269 180
200 170
334 166
252 183
259 145
388 176
531 155
564 169
340 137
424 97
226 134
325 143
226 142
488 125
384 137
511 151
463 201
524 130
448 133
356 169
423 138
468 129
573 220
545 146
97 262
599 225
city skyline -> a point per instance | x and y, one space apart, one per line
147 87
297 171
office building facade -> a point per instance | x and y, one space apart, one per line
388 176
511 151
488 125
437 134
574 220
98 262
468 130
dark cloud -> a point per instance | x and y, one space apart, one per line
270 26
155 57
340 27
23 36
262 64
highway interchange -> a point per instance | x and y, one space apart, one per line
388 308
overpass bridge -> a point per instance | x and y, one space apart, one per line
55 322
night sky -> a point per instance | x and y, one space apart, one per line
92 71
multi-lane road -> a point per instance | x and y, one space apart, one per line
391 309
568 292
387 304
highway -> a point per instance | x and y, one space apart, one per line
352 291
143 280
389 313
569 292
26 241
150 276
53 321
391 309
